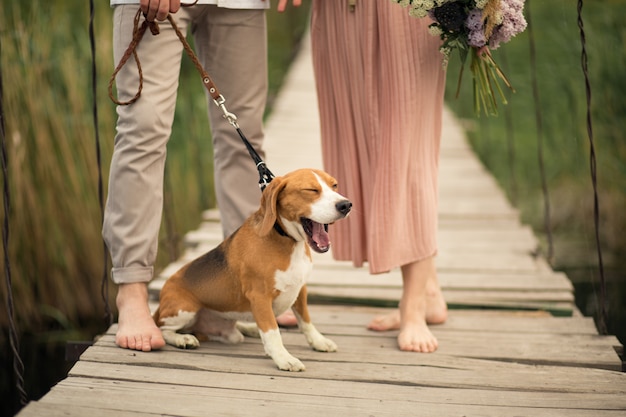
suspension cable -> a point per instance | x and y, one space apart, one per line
510 138
104 286
592 165
14 340
539 123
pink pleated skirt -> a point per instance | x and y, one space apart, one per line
380 85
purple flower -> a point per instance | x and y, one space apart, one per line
513 22
474 20
477 39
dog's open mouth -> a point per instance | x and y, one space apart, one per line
317 234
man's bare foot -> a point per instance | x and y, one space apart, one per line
287 319
136 328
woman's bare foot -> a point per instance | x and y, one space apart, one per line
136 328
385 322
414 333
436 310
422 302
287 319
416 337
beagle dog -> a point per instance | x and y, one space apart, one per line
258 272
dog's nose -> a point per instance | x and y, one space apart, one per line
344 207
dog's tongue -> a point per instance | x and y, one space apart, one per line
320 236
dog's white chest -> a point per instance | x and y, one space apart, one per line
290 281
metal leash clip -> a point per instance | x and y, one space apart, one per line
231 117
265 175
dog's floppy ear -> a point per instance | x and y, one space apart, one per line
269 204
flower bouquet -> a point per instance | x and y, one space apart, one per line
474 27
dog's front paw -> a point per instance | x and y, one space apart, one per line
316 340
273 345
182 341
286 362
323 344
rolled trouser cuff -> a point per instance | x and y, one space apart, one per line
130 275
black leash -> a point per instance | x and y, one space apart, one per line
265 175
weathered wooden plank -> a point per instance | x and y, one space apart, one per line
276 386
496 321
452 296
504 262
46 408
453 280
475 235
348 276
191 400
558 303
377 357
472 262
555 302
358 344
484 233
461 248
479 320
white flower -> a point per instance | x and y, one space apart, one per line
417 12
434 30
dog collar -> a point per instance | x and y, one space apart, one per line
280 230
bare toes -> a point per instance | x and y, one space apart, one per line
387 322
145 344
121 342
417 340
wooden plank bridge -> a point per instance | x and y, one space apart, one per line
514 343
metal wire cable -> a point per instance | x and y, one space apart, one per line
510 138
602 319
539 123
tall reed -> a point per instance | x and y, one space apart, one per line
55 217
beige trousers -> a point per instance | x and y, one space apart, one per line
231 45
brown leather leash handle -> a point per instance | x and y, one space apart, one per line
138 32
206 80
